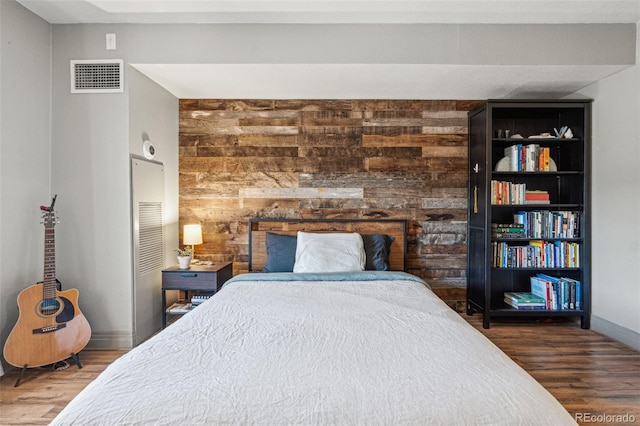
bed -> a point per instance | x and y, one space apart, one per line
372 346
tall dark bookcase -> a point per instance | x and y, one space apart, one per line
492 127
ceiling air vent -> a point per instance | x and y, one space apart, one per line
96 76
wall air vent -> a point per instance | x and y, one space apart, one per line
150 240
97 76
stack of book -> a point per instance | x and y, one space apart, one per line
180 308
197 299
524 300
532 196
507 230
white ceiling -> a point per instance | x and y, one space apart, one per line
336 11
382 81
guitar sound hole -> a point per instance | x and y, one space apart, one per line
49 307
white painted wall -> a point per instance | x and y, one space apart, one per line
25 139
616 203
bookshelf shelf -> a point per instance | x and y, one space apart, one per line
511 312
525 239
549 173
506 171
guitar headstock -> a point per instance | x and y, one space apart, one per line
49 216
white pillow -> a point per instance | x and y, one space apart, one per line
329 252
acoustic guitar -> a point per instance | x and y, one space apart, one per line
50 326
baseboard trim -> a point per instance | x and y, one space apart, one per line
110 340
616 332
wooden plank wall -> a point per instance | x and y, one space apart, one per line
330 159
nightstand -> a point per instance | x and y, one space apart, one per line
198 278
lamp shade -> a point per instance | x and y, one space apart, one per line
192 235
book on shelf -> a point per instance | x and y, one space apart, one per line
544 160
524 300
531 157
180 308
197 299
543 288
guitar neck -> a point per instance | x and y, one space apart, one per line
49 287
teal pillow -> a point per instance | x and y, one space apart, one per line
281 252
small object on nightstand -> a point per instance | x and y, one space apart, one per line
209 263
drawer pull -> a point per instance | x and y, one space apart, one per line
188 275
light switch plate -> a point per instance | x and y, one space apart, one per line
111 41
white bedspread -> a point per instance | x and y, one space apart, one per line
274 353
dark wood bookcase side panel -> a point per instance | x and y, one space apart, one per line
568 187
479 191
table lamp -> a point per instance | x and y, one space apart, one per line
191 236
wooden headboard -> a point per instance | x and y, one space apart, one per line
258 229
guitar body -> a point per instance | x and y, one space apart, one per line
48 330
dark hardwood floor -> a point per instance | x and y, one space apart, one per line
594 377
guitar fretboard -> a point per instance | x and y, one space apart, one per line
49 287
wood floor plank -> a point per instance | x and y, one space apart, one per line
591 375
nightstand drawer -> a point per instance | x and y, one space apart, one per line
187 280
198 277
